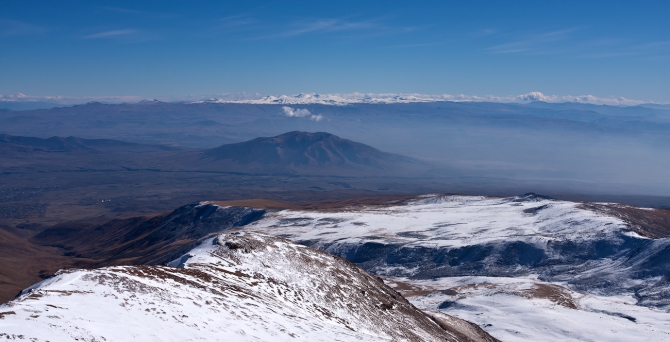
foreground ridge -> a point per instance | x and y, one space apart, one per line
239 286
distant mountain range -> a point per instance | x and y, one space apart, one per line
19 101
58 144
390 98
293 153
570 148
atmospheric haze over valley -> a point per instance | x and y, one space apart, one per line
402 202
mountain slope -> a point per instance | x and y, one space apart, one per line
132 241
58 144
305 151
447 236
24 263
524 268
140 240
241 287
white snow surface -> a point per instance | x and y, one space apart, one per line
455 221
162 303
235 287
444 221
504 309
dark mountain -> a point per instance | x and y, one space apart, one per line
294 153
320 151
27 105
58 144
141 240
130 241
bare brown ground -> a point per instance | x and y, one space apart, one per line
261 203
469 287
24 263
651 223
408 290
264 203
554 293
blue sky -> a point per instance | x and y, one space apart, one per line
168 48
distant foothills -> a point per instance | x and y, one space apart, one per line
289 153
569 147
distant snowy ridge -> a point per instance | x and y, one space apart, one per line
69 100
389 98
333 99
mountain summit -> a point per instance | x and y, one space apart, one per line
233 287
303 151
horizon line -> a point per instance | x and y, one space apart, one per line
330 99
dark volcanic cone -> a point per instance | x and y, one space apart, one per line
300 151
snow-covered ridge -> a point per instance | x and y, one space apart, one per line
69 100
525 252
234 287
390 98
524 268
446 236
331 99
446 221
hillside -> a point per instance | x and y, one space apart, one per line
319 152
241 287
600 268
522 267
25 263
141 240
69 144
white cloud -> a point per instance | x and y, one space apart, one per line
298 113
323 26
301 113
17 28
614 101
535 96
537 43
108 34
